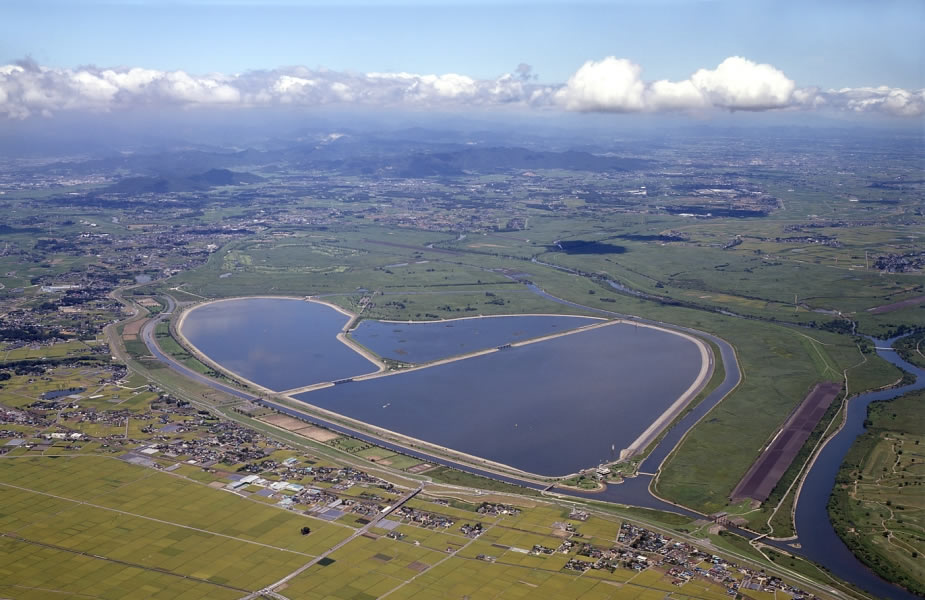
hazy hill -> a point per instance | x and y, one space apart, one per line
190 183
482 160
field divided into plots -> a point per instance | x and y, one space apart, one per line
107 527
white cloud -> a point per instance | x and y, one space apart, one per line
616 85
448 86
286 84
132 81
739 84
612 84
893 101
179 86
93 87
608 85
671 95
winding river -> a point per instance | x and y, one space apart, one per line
817 536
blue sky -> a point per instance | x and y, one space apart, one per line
816 43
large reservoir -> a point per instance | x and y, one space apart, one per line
551 407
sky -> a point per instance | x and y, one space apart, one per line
597 56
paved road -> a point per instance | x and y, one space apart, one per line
147 335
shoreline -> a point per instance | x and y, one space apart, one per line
707 366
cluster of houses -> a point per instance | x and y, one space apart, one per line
493 509
423 518
820 240
901 263
472 530
274 481
22 417
639 548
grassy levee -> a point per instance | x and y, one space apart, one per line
136 348
783 495
878 505
776 378
455 477
170 346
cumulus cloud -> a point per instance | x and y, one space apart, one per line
894 101
615 84
612 84
738 83
608 85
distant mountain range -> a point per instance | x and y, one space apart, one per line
346 155
190 183
483 160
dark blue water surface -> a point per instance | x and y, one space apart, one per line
422 342
551 407
279 343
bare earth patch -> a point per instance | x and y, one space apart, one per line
300 427
131 331
885 308
318 434
771 465
148 302
420 468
